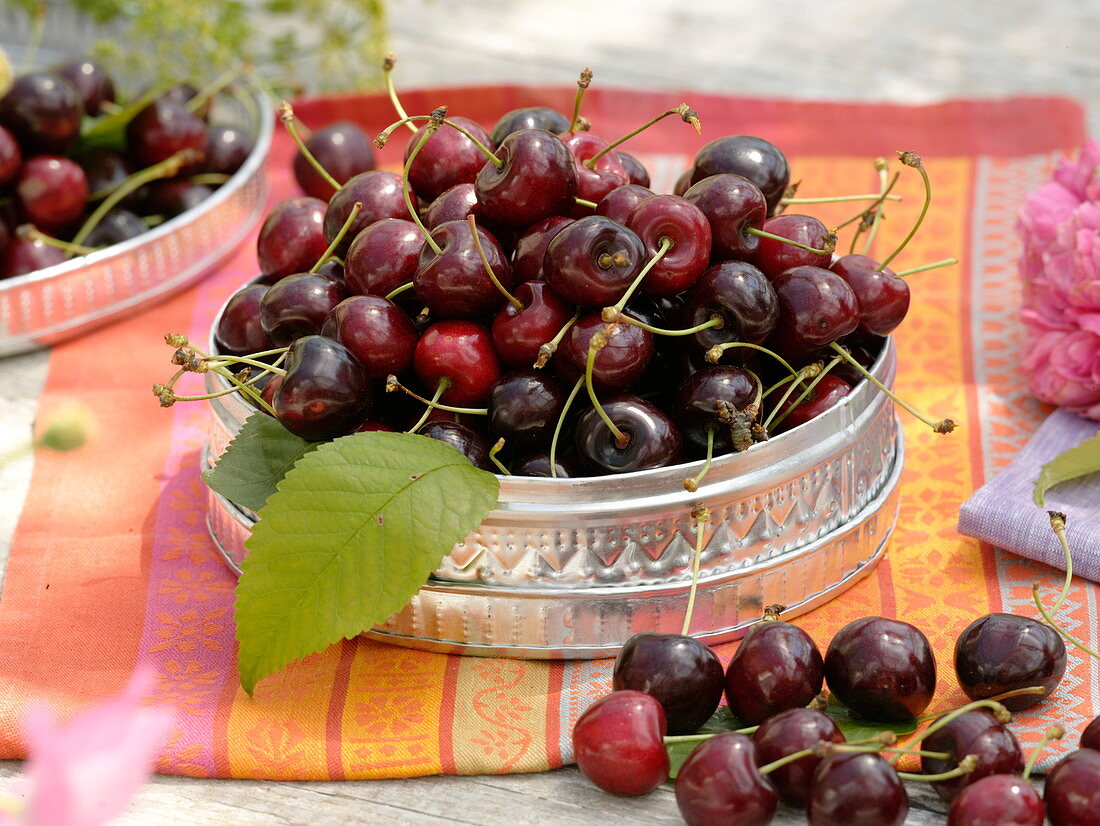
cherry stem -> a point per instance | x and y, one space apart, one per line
598 342
583 83
873 210
1055 732
557 427
714 354
999 711
286 115
942 426
392 384
165 169
582 202
1068 637
406 189
247 389
32 233
836 199
356 208
764 234
384 135
392 294
691 484
444 383
1058 525
701 516
515 302
810 371
698 738
217 362
549 348
966 765
878 215
715 321
1004 695
946 262
210 178
768 768
387 73
910 159
817 376
665 245
493 451
206 93
686 113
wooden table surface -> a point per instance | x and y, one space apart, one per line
892 50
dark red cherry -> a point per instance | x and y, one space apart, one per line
531 248
292 238
325 392
93 85
816 307
342 149
976 732
455 204
524 407
680 221
381 194
652 439
998 800
732 204
227 148
700 398
593 261
787 732
463 439
383 257
51 192
681 672
447 158
1090 737
754 158
608 172
11 157
826 393
883 296
618 366
518 334
298 305
746 301
162 129
856 790
376 331
639 175
720 785
116 226
1002 652
773 257
1072 792
238 331
529 117
619 203
23 255
169 198
537 180
538 464
776 667
881 668
105 169
43 112
453 282
683 183
462 353
618 743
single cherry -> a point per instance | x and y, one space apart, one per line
24 254
593 184
91 81
381 195
292 238
639 175
374 330
665 219
617 366
463 439
537 180
518 334
461 352
1090 737
826 393
342 149
227 148
531 247
538 464
776 667
43 112
856 789
998 800
238 331
298 305
743 298
976 732
787 732
447 158
720 784
883 295
816 308
755 158
453 282
383 257
325 392
732 204
618 743
524 407
1072 792
529 117
619 203
773 257
652 439
593 261
51 192
455 204
162 129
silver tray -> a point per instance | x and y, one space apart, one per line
49 305
573 567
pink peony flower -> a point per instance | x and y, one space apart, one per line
1059 225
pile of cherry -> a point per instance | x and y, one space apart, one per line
80 171
520 293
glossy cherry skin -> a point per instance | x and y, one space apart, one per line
519 334
453 282
43 112
51 192
524 407
773 257
681 672
826 393
787 732
683 183
998 800
11 157
529 117
776 667
618 743
619 203
93 85
732 204
116 226
746 301
618 366
23 255
455 204
325 392
537 180
382 195
292 238
172 197
463 439
383 257
1001 652
461 352
608 173
720 785
856 790
976 732
106 169
343 150
578 261
447 158
677 219
816 307
696 404
881 668
653 440
1072 792
1090 737
639 175
227 148
883 295
162 129
538 464
238 331
298 305
376 331
530 249
754 158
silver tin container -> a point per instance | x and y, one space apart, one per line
571 568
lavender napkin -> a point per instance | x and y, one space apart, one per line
1004 514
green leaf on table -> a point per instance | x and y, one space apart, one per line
256 461
854 727
1073 463
722 720
352 532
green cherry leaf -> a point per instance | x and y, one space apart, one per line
1077 461
722 720
854 727
256 461
352 532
